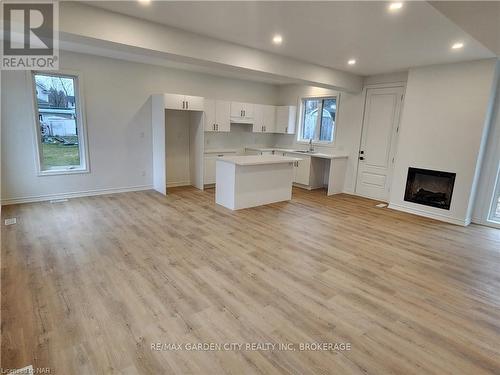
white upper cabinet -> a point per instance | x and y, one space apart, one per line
174 101
242 112
286 118
194 103
217 113
183 102
264 118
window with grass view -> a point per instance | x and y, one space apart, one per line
319 128
59 122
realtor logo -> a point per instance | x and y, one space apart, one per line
30 36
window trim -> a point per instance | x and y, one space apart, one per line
301 119
492 218
80 123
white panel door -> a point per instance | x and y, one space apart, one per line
378 139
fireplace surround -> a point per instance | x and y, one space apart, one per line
429 187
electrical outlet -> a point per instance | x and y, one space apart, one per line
10 221
143 173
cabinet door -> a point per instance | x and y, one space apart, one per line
194 103
285 119
242 112
222 115
258 120
303 171
209 170
292 120
210 118
269 118
174 101
237 109
248 109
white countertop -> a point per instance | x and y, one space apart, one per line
222 151
290 151
256 159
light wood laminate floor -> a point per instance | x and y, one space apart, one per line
88 286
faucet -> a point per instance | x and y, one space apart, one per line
311 147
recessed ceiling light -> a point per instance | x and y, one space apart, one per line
144 1
457 45
395 6
277 39
351 61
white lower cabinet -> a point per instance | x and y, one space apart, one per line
209 165
302 169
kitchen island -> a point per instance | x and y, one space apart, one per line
314 170
253 180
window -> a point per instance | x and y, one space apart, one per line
316 127
60 131
495 207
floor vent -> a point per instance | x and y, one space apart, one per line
381 205
10 221
58 200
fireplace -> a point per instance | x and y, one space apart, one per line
430 188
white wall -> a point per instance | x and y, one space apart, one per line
396 77
118 112
443 123
177 148
348 123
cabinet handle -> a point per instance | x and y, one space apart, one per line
187 105
244 113
213 127
265 128
217 126
286 130
183 104
241 113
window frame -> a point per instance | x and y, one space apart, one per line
81 125
301 107
492 217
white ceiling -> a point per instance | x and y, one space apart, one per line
323 33
481 19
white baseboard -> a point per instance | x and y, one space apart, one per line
76 194
177 184
416 211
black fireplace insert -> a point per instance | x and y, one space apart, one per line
429 187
